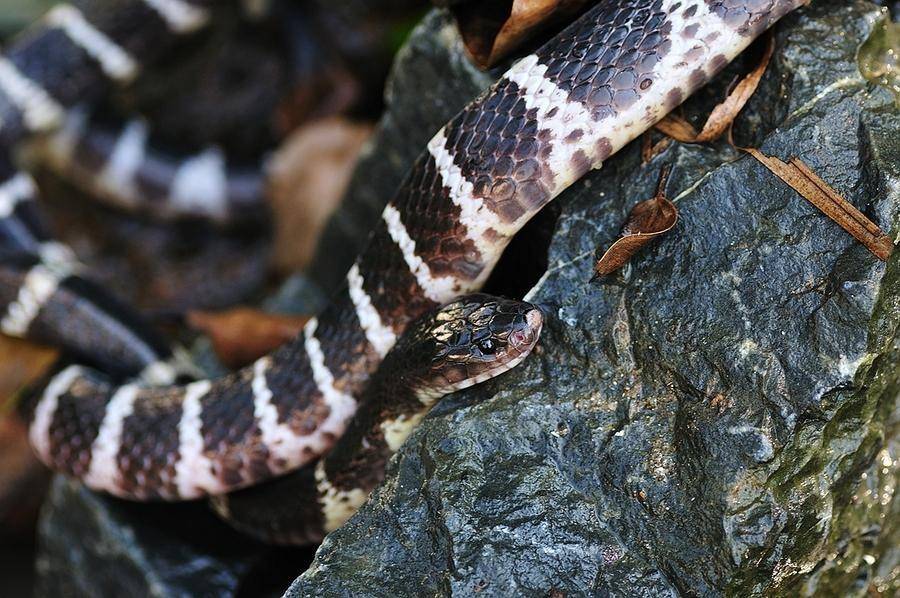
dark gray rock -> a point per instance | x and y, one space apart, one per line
721 417
90 545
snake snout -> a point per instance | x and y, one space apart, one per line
523 338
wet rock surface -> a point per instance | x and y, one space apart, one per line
91 545
718 418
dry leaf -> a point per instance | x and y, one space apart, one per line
23 480
308 176
677 128
650 150
21 363
808 184
241 335
723 115
492 30
648 220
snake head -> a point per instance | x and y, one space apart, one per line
474 339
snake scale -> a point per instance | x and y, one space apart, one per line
553 116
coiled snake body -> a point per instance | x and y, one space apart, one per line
466 342
71 56
553 116
119 165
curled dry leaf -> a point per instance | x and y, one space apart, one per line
23 480
492 30
242 335
648 220
677 128
723 115
650 150
819 193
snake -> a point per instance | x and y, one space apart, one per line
102 44
101 331
257 63
74 54
553 116
466 342
117 163
268 59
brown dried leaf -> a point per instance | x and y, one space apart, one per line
650 150
492 30
241 335
21 363
808 184
308 176
677 128
648 220
723 115
23 480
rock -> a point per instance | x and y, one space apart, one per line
721 417
91 545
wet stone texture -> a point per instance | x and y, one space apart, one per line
719 418
91 545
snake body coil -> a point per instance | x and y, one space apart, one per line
120 165
466 342
553 116
71 56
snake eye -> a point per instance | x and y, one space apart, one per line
487 346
